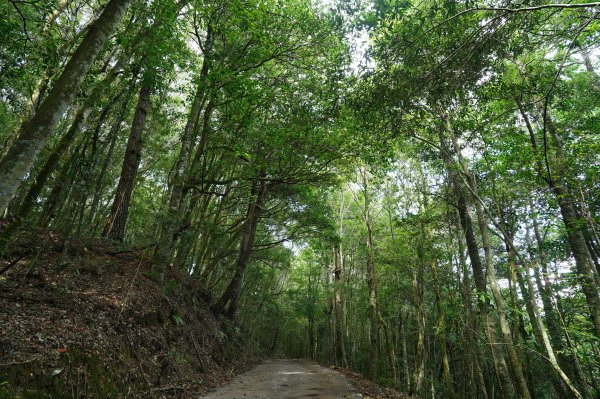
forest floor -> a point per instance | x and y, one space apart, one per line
370 389
85 320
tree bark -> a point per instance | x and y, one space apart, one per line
575 236
506 385
178 179
441 333
17 162
589 67
583 260
232 292
376 318
419 367
563 385
556 178
117 219
50 164
404 351
475 375
371 283
504 378
339 307
550 316
515 362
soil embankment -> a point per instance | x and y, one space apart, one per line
87 321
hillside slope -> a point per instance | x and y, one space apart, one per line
86 321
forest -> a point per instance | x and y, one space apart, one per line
408 189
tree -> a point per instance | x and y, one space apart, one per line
17 162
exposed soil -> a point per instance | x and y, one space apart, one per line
87 321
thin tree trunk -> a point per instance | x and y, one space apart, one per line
505 381
562 384
178 179
49 69
232 292
550 316
339 306
547 345
112 137
475 376
491 274
404 351
418 375
441 333
371 283
589 67
63 185
49 166
376 318
556 177
20 157
92 214
389 346
115 226
583 259
311 319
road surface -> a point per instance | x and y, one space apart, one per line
287 379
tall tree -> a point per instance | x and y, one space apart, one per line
17 162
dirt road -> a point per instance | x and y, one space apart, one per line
287 379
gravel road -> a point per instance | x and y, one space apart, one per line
287 379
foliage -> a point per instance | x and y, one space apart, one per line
393 209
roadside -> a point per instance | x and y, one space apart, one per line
85 320
370 389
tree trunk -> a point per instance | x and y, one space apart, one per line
575 236
515 362
375 317
115 226
232 292
470 380
339 307
501 309
49 63
49 166
476 379
371 283
556 178
550 316
583 260
419 367
547 345
311 319
505 381
20 157
589 67
405 368
441 333
390 348
178 179
60 182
